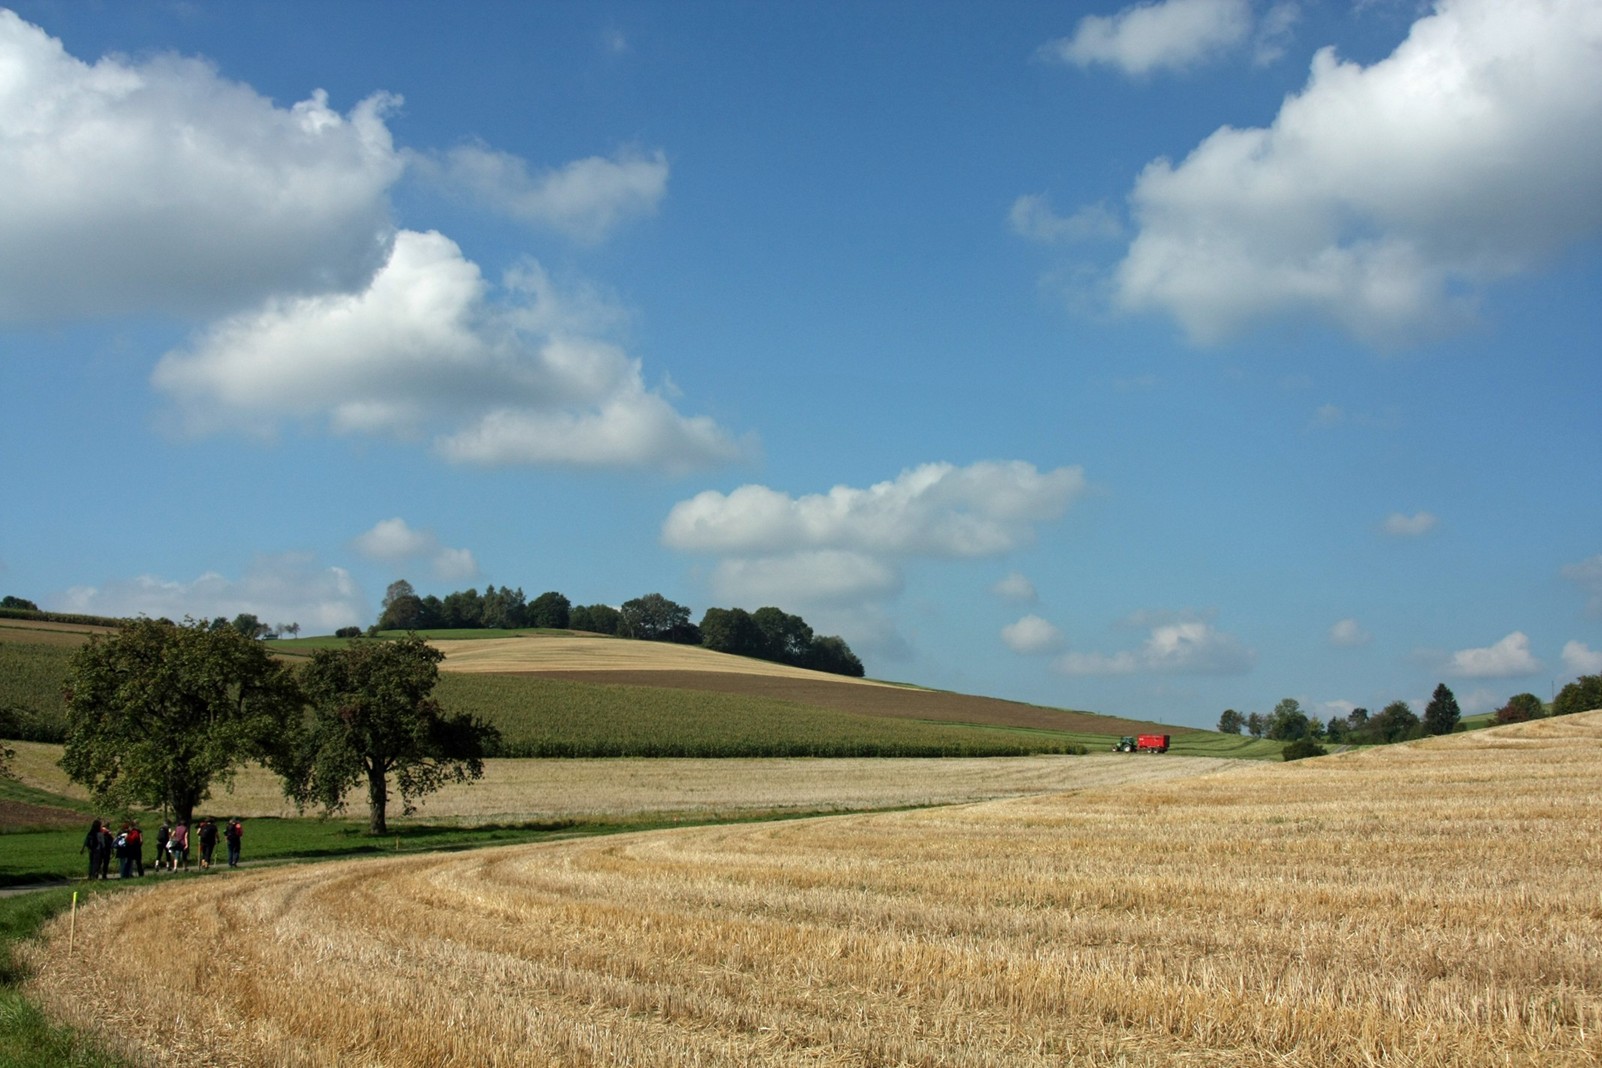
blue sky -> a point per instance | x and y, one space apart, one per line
1152 360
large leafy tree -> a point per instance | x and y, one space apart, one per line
550 609
1519 708
1581 695
1289 723
1396 723
159 713
373 716
1442 713
1230 721
655 618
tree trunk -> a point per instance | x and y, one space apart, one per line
377 798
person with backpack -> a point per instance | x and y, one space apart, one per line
162 834
91 845
124 854
208 841
136 848
108 846
178 845
232 833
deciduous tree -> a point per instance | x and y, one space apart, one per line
550 609
1520 708
595 618
1397 722
1581 695
1230 721
373 715
158 713
1289 723
655 618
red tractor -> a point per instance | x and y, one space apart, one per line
1143 743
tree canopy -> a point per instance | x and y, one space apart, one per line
157 713
373 715
1442 714
1230 721
1288 723
1581 695
1520 708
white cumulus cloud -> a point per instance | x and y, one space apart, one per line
394 541
844 549
1509 658
1031 635
429 349
1170 34
289 588
586 199
1382 198
813 577
936 509
1581 659
1183 647
159 185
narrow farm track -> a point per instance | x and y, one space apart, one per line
1434 904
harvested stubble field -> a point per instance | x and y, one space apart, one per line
517 791
1426 905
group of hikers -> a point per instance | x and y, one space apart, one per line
127 845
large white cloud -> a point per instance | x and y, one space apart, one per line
1171 34
1509 658
161 186
846 546
428 349
1181 647
586 199
936 509
290 588
1382 197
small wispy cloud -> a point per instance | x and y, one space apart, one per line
1346 634
1398 525
1015 587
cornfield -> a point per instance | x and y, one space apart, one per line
1433 904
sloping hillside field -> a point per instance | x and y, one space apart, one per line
1438 903
684 667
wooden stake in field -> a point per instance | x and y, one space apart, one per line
72 925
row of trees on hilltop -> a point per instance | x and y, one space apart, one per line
1397 722
158 713
767 634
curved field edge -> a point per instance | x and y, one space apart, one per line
1430 904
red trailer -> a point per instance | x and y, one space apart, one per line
1143 743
